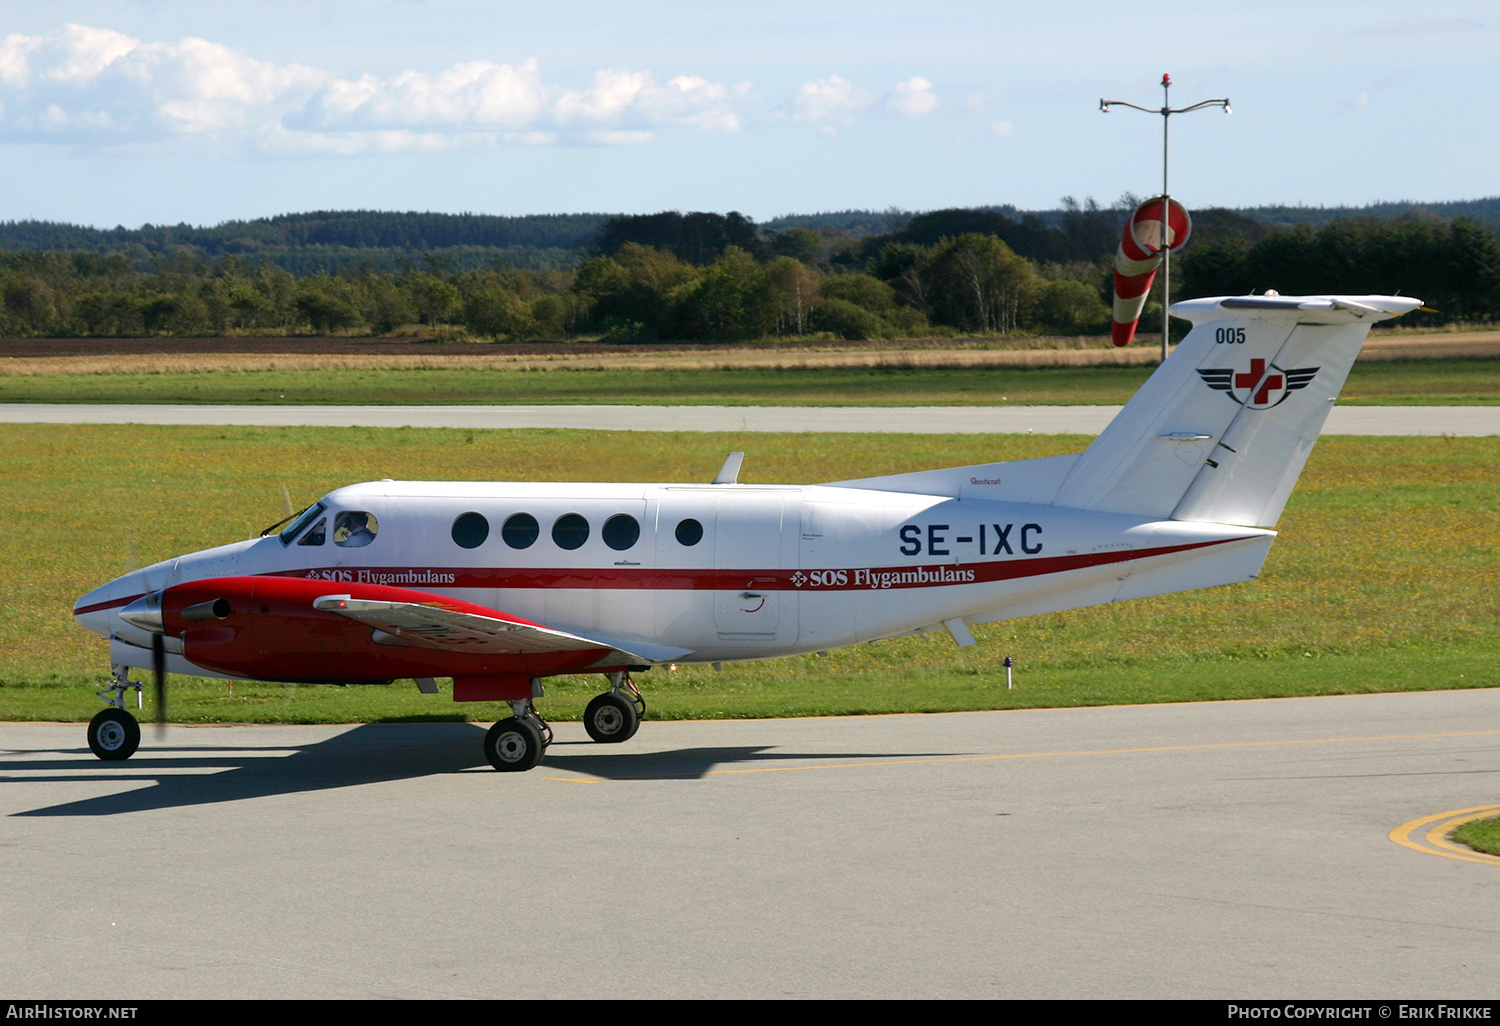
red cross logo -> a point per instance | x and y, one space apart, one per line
1258 382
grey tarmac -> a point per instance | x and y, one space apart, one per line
1221 850
1343 420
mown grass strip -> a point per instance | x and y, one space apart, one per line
1383 578
1422 382
1481 835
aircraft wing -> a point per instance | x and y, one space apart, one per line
430 626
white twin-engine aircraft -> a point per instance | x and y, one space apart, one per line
501 585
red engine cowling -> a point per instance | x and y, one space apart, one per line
267 628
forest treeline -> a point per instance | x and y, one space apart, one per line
721 277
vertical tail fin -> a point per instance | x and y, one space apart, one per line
1222 429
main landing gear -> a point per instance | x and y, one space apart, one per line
616 715
114 734
517 744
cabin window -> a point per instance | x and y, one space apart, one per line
470 530
317 535
570 531
354 530
621 531
689 532
520 531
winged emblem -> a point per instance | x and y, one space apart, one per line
1262 387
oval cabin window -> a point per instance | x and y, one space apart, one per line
570 531
520 531
621 531
470 530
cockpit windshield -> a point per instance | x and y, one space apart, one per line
298 522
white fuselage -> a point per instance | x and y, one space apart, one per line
767 570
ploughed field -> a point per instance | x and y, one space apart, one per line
1395 368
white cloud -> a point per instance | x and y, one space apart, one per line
828 99
1002 129
621 137
476 94
834 101
634 98
87 86
82 85
912 98
79 53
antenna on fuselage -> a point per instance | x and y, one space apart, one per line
729 473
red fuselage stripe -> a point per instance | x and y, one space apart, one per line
656 579
916 575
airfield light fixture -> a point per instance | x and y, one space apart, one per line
1166 112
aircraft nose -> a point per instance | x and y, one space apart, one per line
144 612
97 611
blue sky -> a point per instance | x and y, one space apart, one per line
129 111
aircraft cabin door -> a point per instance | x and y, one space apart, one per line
751 603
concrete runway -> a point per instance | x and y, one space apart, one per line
1214 850
1343 420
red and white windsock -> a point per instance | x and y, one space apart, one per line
1138 257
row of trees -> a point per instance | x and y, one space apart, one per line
1453 266
973 283
714 278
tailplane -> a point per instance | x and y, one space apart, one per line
1223 428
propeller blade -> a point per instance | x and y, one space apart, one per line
159 667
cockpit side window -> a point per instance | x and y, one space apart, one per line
306 517
354 530
317 535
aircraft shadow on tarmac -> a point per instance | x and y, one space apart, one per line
364 755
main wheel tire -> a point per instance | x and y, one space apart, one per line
114 734
513 745
611 718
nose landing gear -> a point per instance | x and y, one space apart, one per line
114 734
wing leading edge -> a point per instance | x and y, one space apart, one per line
428 625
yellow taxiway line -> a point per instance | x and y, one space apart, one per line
1434 841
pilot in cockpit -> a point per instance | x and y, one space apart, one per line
353 530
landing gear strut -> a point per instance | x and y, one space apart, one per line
516 744
615 716
114 734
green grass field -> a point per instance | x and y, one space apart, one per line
1424 382
1384 577
1481 835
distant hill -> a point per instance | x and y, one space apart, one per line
875 222
333 240
1482 210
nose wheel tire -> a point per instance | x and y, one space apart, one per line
611 718
513 745
114 735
